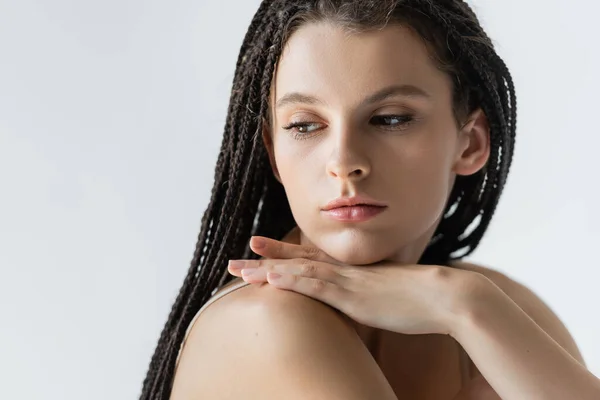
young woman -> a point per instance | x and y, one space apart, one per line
366 146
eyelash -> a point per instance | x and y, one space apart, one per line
406 120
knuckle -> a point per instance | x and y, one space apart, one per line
311 252
318 286
309 270
263 264
352 273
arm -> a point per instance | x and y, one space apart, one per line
263 343
519 346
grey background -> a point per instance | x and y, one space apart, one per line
111 116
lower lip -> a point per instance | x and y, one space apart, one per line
354 213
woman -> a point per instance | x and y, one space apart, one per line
373 139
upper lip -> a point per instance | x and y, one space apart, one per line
352 201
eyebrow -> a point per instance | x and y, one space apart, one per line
383 94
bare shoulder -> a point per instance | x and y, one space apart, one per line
531 304
267 343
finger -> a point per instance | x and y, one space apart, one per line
256 270
329 293
235 267
272 248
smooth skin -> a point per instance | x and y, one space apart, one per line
516 357
372 115
260 342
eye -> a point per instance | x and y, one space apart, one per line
300 130
393 122
303 130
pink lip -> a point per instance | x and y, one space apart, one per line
352 201
354 213
353 209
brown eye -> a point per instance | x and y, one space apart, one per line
300 129
393 121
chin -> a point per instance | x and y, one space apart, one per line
353 257
365 246
355 247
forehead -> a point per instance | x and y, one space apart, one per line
324 60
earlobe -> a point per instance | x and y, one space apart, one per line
268 142
474 142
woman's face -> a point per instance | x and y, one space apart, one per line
375 119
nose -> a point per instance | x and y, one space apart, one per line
348 159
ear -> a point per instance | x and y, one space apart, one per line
268 142
473 144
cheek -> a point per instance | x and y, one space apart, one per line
421 183
299 176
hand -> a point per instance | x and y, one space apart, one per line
409 299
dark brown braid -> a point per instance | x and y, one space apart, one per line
246 198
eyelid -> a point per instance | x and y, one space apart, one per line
303 118
400 115
309 115
395 109
300 123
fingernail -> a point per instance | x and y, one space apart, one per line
258 243
248 271
235 264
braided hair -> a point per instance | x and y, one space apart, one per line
246 198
